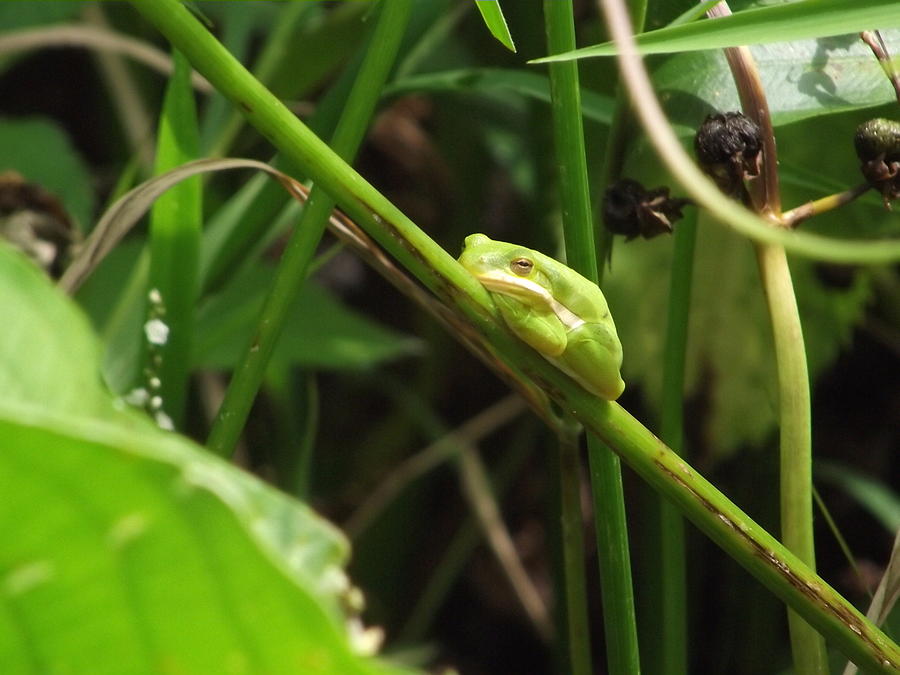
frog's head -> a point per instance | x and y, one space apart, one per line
508 269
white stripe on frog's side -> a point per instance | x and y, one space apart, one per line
527 290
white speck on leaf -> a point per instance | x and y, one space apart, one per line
137 397
163 421
157 332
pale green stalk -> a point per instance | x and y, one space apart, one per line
794 406
673 656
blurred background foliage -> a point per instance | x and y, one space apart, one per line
461 143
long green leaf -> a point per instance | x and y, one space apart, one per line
499 82
175 227
778 23
495 21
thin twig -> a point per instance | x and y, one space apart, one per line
797 215
876 44
432 456
96 38
477 489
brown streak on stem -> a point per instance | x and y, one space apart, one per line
806 587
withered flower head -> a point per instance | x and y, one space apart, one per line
632 210
728 148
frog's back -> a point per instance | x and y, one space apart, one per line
585 299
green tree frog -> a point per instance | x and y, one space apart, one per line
558 312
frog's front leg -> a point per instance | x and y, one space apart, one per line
536 325
593 357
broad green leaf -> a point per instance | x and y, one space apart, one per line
48 356
777 23
498 82
131 550
496 23
321 333
40 151
801 79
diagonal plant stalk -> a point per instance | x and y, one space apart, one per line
248 375
741 538
795 417
605 470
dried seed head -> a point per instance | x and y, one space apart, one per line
728 148
632 210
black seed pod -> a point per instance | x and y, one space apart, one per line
877 145
728 148
632 210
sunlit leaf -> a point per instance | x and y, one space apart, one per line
775 23
809 78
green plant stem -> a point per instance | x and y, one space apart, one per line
175 230
606 473
227 122
381 219
742 539
571 524
672 562
807 645
292 271
614 154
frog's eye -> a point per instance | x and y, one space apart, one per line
521 267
